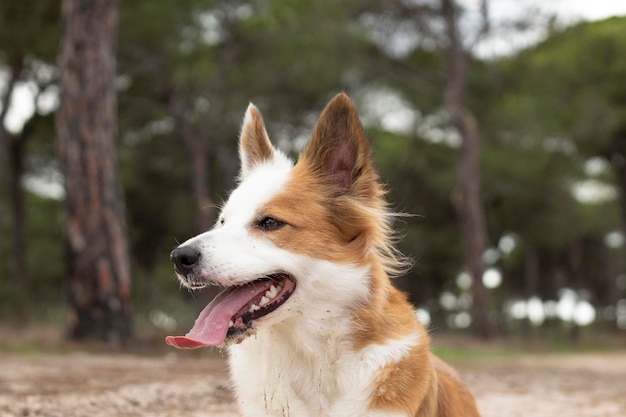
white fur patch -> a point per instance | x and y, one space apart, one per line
390 352
230 254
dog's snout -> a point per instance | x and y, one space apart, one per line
185 258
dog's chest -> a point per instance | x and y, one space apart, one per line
313 378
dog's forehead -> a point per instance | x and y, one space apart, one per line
254 191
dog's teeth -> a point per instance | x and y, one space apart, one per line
264 300
272 292
231 323
254 308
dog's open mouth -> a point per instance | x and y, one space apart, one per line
233 311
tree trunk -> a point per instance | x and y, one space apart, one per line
472 221
575 266
531 283
469 205
99 282
198 158
618 161
19 274
16 69
620 170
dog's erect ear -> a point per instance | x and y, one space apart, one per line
254 143
338 149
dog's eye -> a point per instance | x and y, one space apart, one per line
269 223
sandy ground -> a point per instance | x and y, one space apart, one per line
99 385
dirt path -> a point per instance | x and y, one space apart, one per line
89 385
551 386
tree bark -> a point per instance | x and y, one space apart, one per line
469 205
618 162
19 274
197 155
196 150
531 282
16 69
99 281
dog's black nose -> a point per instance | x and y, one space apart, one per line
185 258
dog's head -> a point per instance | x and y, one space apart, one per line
291 241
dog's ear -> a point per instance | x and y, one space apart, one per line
254 143
338 149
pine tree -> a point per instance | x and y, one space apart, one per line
99 282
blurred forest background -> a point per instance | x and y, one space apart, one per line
505 136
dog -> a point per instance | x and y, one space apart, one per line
310 318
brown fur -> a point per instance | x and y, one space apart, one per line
420 384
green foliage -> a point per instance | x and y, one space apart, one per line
44 282
552 108
575 76
421 179
214 58
37 34
542 114
46 275
155 225
527 192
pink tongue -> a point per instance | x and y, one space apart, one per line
212 324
